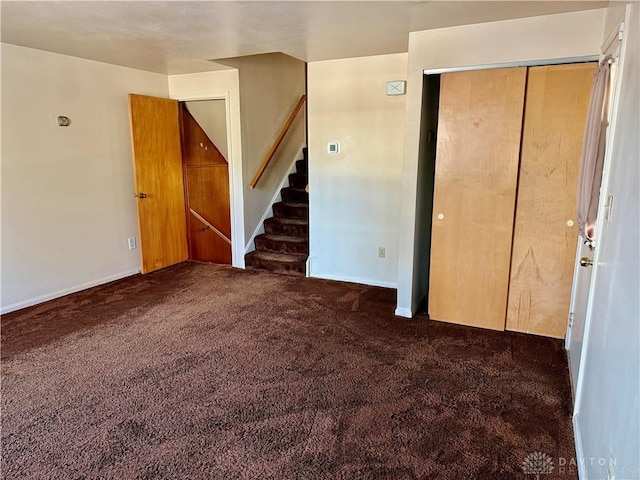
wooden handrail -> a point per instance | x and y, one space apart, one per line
276 144
214 229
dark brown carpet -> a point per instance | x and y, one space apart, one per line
201 371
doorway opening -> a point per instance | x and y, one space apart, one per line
426 184
206 180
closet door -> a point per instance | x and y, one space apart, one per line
544 243
478 145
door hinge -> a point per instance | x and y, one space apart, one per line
621 31
571 316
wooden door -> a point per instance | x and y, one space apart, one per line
208 199
544 243
478 145
157 160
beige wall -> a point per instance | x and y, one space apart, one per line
529 39
355 195
222 84
67 192
270 86
211 115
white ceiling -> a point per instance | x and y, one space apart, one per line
181 36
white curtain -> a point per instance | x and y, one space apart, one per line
593 148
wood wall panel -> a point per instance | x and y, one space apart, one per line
198 148
208 189
478 145
206 245
545 224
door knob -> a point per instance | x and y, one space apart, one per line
140 195
586 262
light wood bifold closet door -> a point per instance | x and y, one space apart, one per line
544 242
478 146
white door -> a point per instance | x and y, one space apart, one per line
578 309
584 254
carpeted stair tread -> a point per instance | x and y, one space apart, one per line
285 264
293 194
291 210
279 257
298 180
302 166
282 238
293 204
287 226
289 244
288 221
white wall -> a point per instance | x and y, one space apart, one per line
536 38
222 84
67 192
355 196
607 417
211 115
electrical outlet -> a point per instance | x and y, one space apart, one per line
382 252
132 243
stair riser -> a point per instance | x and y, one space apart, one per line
302 166
287 268
276 228
298 196
288 211
298 180
266 245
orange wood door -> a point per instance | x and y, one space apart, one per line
544 242
478 145
207 177
157 159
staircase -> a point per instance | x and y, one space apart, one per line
284 247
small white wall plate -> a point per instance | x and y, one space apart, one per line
396 87
333 148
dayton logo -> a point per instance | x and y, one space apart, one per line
537 463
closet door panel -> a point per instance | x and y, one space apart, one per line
545 232
478 145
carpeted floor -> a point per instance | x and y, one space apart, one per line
202 371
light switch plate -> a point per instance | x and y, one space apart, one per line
396 87
333 147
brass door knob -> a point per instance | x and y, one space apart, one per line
586 262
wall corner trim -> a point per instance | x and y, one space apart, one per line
403 312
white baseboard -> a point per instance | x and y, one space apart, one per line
350 279
403 312
250 246
66 291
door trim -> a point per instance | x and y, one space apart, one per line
236 191
527 63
